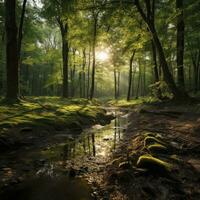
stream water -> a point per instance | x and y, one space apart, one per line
83 153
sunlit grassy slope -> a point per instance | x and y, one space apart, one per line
50 111
132 103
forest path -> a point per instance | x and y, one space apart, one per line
175 126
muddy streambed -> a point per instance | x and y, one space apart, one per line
58 171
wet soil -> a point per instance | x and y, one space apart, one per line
55 165
101 163
179 129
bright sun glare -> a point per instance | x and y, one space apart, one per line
102 55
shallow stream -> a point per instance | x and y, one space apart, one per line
61 165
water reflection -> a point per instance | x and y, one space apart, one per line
47 188
97 141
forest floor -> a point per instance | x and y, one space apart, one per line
29 129
21 123
159 157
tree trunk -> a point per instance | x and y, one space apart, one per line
20 37
94 58
118 83
139 81
11 50
88 73
73 71
196 66
20 34
156 73
130 76
177 93
83 72
115 83
180 44
65 56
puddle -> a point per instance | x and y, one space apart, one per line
98 141
48 168
47 188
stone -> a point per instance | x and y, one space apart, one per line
153 164
158 149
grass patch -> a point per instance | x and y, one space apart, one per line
131 103
50 111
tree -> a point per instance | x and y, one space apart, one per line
180 44
177 93
11 50
130 75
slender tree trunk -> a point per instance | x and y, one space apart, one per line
139 81
11 50
73 74
196 66
130 76
180 44
88 74
94 58
177 93
144 80
20 37
115 83
156 73
20 34
118 83
80 85
83 72
65 56
133 85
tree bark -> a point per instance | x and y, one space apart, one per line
20 37
73 71
20 34
11 50
180 44
65 56
88 73
196 65
177 93
115 82
94 57
130 76
118 83
83 72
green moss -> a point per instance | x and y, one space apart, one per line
132 103
152 140
149 134
54 111
154 164
157 148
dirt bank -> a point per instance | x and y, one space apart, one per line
158 159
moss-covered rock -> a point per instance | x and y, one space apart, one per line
158 148
149 140
153 164
149 134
